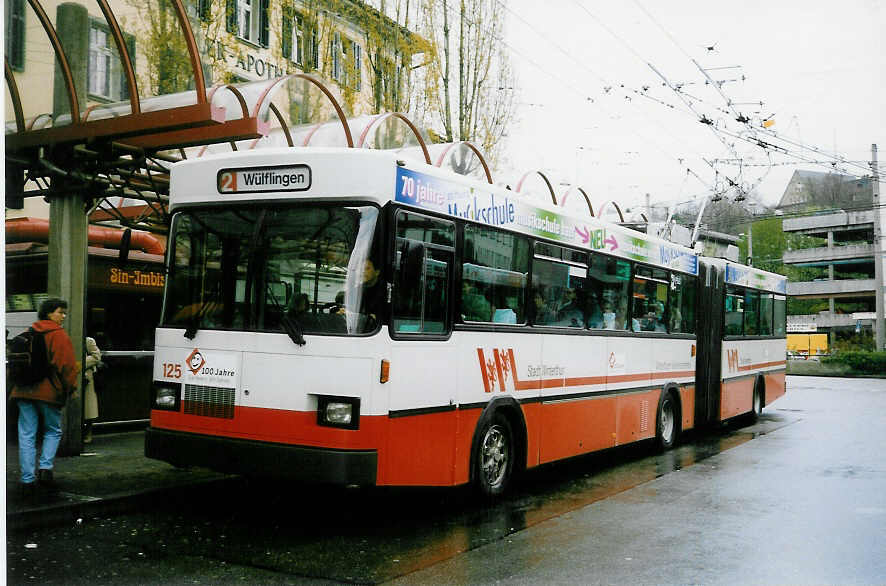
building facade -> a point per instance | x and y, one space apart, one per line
837 263
360 54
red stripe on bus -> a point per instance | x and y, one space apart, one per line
532 385
762 365
580 381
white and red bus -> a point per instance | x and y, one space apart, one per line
342 316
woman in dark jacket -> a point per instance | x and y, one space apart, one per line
45 398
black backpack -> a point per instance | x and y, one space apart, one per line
28 358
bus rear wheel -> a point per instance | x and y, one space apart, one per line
667 422
494 460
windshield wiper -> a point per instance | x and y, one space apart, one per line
208 305
290 325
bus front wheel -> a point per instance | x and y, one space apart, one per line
494 460
668 422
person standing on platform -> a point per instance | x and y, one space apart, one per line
90 400
45 398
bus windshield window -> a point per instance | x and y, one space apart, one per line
246 268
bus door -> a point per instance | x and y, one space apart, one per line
709 337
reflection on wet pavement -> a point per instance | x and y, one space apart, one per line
296 533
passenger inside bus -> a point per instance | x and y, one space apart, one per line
571 313
474 306
543 314
595 313
371 292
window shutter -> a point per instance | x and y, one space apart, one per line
130 46
263 13
287 33
15 35
204 9
231 16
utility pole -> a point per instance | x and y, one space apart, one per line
750 259
879 257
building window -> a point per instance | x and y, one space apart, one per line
204 8
314 58
358 78
244 20
298 42
293 42
15 34
101 65
104 71
336 57
249 20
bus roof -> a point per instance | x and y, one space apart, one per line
347 174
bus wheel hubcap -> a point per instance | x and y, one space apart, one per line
494 455
667 421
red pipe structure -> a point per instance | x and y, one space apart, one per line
37 230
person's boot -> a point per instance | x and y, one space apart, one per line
46 480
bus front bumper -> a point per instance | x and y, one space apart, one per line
239 456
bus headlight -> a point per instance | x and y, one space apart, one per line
341 412
166 396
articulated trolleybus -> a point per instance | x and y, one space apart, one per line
342 316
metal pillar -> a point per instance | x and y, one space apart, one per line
67 279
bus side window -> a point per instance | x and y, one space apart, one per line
751 312
494 273
766 314
608 280
734 311
682 304
779 311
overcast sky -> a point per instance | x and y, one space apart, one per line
818 66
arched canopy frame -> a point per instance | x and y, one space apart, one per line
476 152
584 194
546 180
382 117
264 101
615 205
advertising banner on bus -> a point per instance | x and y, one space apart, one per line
506 211
751 277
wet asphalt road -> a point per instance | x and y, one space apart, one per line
799 497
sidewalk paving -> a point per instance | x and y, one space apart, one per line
111 475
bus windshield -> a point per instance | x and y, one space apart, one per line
247 268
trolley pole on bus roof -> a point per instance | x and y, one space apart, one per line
879 256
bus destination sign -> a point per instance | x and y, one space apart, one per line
264 179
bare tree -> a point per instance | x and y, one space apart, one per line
469 85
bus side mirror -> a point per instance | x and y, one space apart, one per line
125 240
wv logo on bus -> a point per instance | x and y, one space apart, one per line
497 369
732 359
